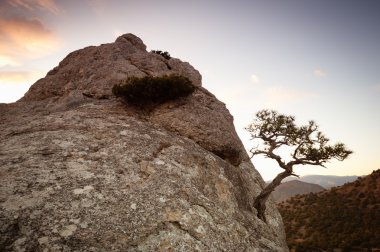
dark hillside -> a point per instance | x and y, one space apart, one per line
291 188
326 181
346 217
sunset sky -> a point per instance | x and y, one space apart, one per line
316 60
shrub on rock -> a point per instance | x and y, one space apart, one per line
165 54
150 90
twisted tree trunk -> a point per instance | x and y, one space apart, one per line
261 199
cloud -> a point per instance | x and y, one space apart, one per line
22 38
376 87
6 60
11 93
319 73
279 95
32 5
98 6
255 79
19 77
14 84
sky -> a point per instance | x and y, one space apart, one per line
316 60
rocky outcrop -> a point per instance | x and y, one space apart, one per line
94 69
80 170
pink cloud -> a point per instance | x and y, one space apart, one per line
319 73
376 87
24 38
280 95
31 5
17 77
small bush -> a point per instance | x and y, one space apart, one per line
165 54
151 90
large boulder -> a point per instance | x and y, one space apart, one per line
81 170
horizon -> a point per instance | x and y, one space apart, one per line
291 178
316 61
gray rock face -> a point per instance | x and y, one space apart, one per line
80 170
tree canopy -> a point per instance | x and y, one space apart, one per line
308 147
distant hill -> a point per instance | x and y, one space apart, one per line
326 181
294 187
346 217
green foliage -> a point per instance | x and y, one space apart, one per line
149 90
165 54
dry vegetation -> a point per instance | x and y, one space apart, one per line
346 217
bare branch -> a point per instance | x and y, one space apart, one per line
293 174
271 155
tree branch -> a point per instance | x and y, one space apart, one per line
269 153
304 161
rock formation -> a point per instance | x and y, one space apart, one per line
80 170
